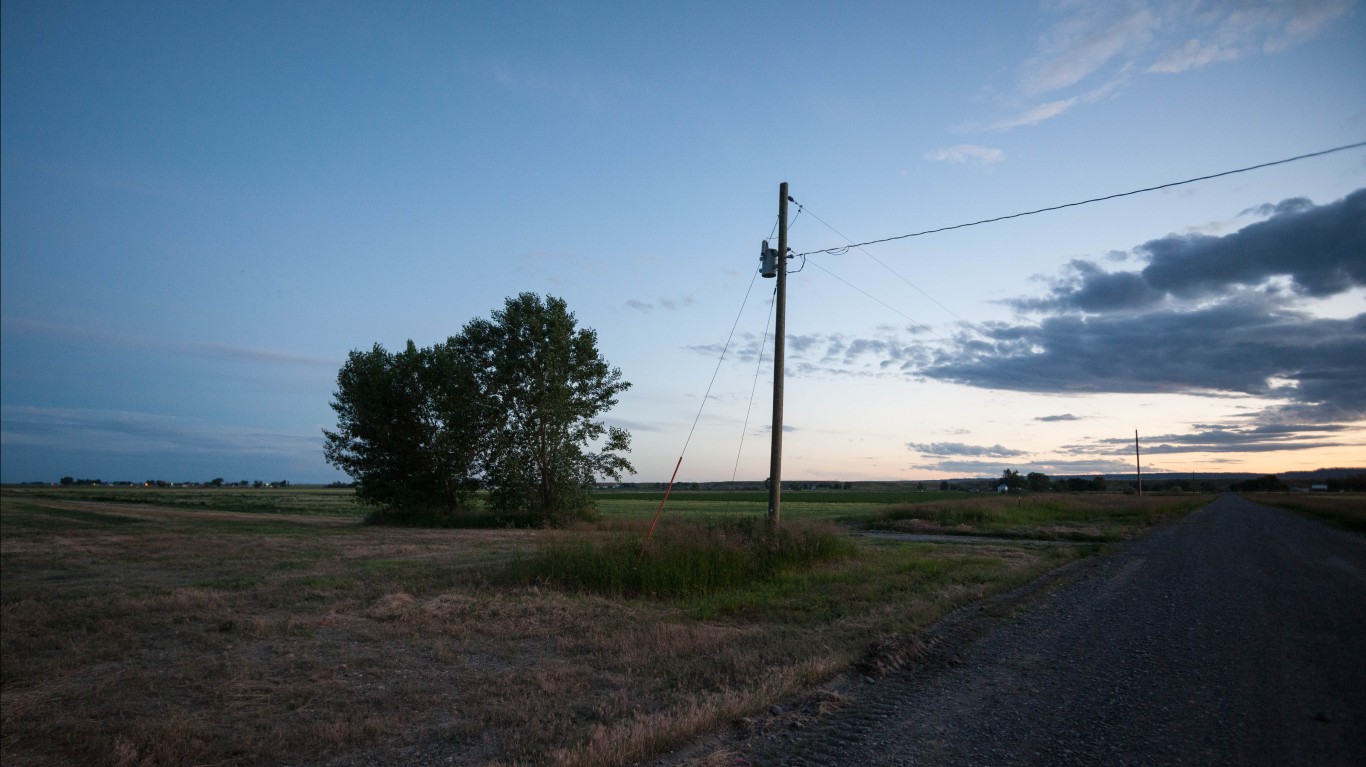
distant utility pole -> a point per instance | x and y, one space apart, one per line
775 466
1138 463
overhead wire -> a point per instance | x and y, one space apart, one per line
845 248
916 323
758 367
720 360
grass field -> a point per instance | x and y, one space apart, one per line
1056 517
170 627
1344 510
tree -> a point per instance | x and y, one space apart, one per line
1012 479
1037 482
546 384
409 428
510 403
1267 484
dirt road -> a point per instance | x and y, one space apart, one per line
1234 637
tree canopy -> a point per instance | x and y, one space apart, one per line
511 403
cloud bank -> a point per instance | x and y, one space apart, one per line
1205 315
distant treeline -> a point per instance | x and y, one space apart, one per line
215 482
1271 483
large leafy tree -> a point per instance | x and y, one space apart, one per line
410 428
512 403
546 385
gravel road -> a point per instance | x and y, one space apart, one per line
1236 636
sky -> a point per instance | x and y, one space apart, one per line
205 206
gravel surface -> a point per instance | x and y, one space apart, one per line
1236 636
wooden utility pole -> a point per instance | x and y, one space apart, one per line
775 465
1138 463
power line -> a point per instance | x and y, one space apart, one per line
844 248
758 366
877 261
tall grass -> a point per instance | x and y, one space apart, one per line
685 558
1052 516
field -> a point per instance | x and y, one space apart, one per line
1344 510
227 626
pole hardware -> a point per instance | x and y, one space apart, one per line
768 261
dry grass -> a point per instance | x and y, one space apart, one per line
1345 510
1052 516
147 635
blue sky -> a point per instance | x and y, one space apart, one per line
206 206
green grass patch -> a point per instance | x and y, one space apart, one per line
51 518
308 501
685 558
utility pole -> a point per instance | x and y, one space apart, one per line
775 466
1138 463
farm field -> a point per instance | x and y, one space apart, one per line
222 626
1344 510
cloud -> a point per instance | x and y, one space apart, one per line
960 449
228 352
669 304
1319 248
815 354
1087 287
1036 114
1222 439
971 468
1099 48
967 153
1086 39
1056 418
1315 250
1191 55
677 304
147 434
1206 315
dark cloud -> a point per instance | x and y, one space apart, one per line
1240 347
1053 418
1203 317
1089 288
972 468
1221 439
1321 249
960 449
